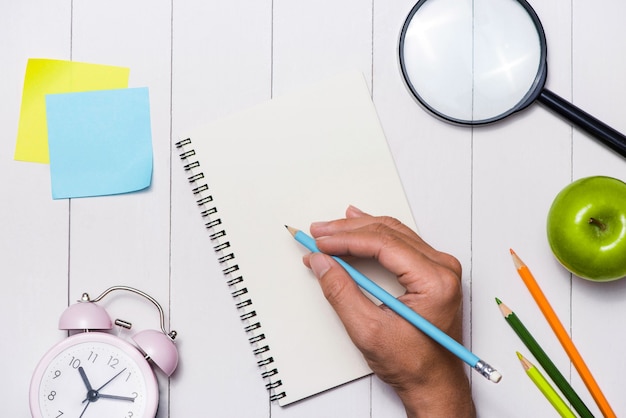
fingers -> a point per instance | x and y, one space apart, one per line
343 294
394 245
355 218
382 231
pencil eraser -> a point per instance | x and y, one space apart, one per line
495 376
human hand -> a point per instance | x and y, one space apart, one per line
429 380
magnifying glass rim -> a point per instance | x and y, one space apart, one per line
531 95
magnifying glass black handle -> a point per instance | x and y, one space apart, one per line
609 136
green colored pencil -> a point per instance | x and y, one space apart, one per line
543 359
545 388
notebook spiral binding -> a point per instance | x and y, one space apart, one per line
230 269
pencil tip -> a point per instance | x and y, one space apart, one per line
516 260
505 310
291 230
525 363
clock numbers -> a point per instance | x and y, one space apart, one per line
92 357
60 413
52 395
75 362
57 373
113 362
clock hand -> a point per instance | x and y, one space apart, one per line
121 398
94 395
83 375
111 379
84 409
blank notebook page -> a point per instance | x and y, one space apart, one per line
291 161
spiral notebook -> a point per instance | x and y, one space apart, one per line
296 159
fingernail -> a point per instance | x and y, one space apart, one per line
354 212
319 264
318 224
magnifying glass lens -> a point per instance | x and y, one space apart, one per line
472 61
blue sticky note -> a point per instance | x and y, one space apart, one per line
100 142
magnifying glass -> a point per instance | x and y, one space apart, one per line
473 62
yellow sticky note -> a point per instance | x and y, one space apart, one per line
46 76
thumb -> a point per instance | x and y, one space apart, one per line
343 294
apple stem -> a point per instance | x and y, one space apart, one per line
597 223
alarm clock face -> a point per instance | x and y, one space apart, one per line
93 374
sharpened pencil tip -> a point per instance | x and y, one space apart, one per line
506 311
516 260
525 363
498 301
291 230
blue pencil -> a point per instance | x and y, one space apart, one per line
407 313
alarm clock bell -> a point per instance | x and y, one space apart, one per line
157 346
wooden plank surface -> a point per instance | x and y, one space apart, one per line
475 193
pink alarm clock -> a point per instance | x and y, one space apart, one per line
97 374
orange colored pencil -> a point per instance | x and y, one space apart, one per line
562 335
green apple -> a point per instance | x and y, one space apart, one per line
587 228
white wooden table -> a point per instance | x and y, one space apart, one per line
474 192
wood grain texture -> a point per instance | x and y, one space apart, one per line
475 193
